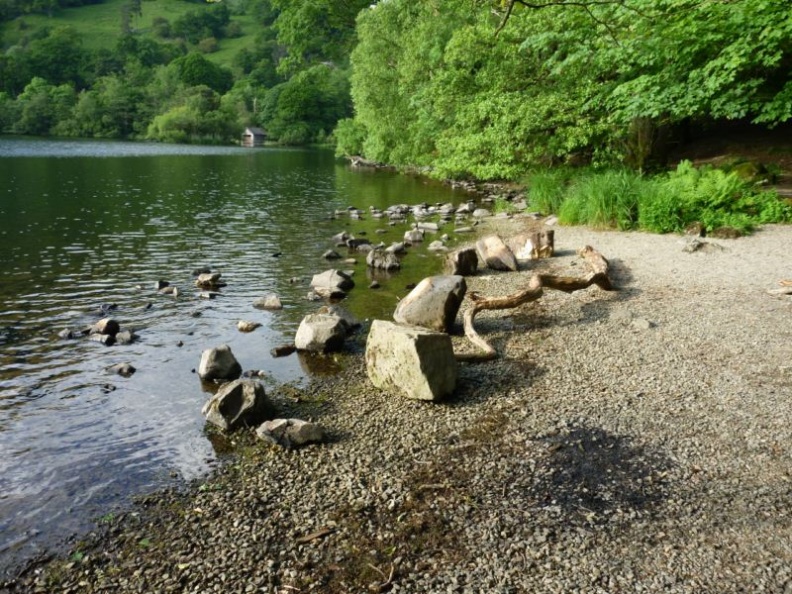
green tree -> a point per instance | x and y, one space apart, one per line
59 57
14 71
307 106
9 112
161 27
382 106
194 69
350 136
448 84
209 21
41 106
316 30
199 117
86 118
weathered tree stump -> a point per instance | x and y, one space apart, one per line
532 245
534 290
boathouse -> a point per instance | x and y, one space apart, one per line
253 137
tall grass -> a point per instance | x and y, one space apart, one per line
664 203
605 199
547 188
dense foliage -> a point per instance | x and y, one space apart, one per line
447 84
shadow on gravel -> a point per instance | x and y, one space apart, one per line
595 475
620 273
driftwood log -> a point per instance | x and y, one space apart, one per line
534 290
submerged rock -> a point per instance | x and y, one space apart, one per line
382 259
107 326
126 337
209 280
122 369
105 339
269 301
247 326
283 350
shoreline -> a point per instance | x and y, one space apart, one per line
621 440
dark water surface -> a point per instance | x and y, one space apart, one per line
89 223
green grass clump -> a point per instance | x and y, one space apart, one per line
603 199
501 205
547 189
665 203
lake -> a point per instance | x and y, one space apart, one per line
87 224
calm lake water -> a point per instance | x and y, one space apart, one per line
84 224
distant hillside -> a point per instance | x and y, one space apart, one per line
176 70
100 25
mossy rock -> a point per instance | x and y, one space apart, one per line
748 170
726 233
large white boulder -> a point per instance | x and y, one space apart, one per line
413 361
433 303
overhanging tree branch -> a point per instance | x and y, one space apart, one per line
586 5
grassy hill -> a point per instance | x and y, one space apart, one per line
100 25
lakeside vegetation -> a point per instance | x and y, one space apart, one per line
608 90
705 198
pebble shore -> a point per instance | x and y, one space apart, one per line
638 440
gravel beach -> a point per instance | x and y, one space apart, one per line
638 440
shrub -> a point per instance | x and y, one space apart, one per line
659 209
666 203
713 197
161 27
208 45
350 136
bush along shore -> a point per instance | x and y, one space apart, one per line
620 441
